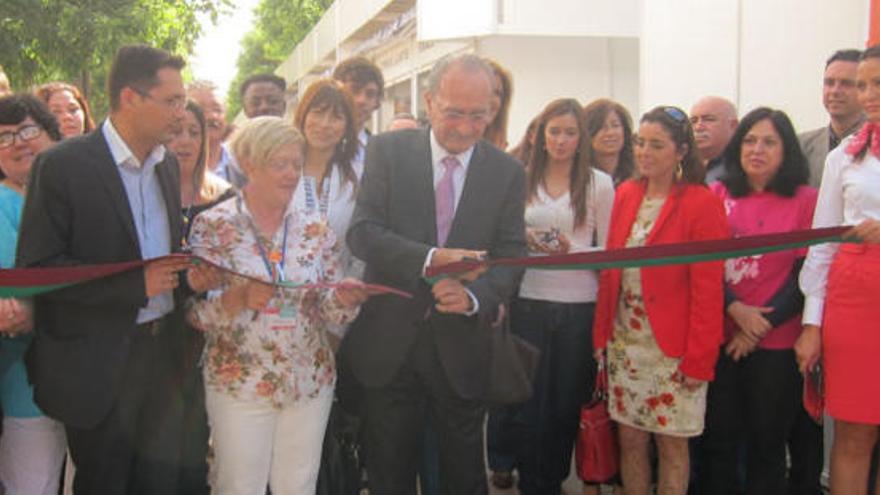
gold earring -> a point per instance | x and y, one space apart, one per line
679 172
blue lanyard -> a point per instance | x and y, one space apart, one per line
309 186
276 273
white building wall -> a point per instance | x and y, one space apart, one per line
444 19
754 52
570 17
784 47
545 68
688 48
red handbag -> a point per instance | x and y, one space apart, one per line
597 453
814 394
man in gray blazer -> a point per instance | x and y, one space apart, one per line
839 99
431 197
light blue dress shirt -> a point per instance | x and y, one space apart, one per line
147 207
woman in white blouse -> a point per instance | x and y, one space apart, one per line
269 372
568 209
330 177
841 284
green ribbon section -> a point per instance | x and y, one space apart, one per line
658 255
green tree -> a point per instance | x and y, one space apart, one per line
75 40
279 25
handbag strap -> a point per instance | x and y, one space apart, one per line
600 390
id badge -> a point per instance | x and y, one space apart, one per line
280 319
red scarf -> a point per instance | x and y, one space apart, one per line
869 134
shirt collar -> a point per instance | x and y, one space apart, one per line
363 137
438 153
853 128
122 154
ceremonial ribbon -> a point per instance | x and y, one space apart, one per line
27 282
661 254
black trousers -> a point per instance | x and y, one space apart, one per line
135 449
394 419
542 430
195 431
755 399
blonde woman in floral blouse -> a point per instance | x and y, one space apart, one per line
269 373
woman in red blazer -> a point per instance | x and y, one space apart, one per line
660 327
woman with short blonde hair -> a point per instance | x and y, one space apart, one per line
269 372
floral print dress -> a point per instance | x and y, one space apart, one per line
643 393
279 355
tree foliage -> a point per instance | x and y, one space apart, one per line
279 25
75 40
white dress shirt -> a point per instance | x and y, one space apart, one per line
849 194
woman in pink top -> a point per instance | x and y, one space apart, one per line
756 393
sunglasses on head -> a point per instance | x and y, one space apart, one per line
675 114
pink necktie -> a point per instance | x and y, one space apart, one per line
444 199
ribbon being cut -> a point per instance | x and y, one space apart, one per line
662 254
27 282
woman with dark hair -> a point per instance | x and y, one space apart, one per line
757 389
32 445
568 209
661 326
69 106
329 182
841 283
200 189
610 128
502 93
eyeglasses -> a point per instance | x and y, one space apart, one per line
175 103
676 114
25 133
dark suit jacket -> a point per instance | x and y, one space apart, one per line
394 227
684 302
76 212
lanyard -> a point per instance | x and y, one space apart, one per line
274 264
323 202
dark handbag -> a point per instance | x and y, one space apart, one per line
512 366
340 471
596 449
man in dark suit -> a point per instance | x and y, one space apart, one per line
431 197
100 362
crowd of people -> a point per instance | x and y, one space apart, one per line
216 364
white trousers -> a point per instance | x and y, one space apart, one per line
256 444
31 455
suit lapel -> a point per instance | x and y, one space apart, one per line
422 179
170 185
669 206
108 174
628 217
